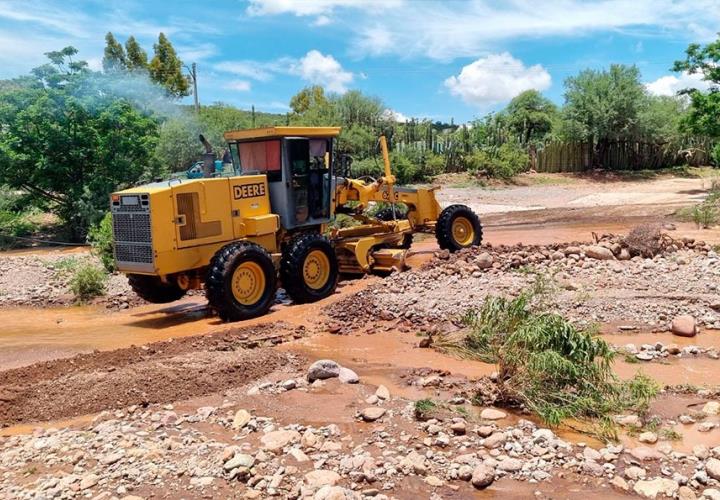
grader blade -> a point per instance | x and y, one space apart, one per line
388 260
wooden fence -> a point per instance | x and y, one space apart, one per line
618 155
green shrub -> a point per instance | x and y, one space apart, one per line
87 281
504 162
14 225
715 155
547 364
100 236
705 215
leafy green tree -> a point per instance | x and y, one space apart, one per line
61 70
70 149
704 115
137 59
114 57
660 119
166 69
530 116
355 108
604 105
312 107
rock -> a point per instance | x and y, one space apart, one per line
599 253
591 454
648 437
619 483
482 476
685 493
347 376
328 492
241 419
628 420
510 465
494 440
658 486
289 385
492 414
277 440
712 467
557 255
372 413
711 494
323 369
593 468
672 349
414 462
644 453
711 408
299 455
465 473
382 392
484 260
318 478
458 428
701 451
706 426
89 481
239 460
434 481
684 326
635 473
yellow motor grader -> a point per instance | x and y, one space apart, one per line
269 221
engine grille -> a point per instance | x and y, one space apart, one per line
133 237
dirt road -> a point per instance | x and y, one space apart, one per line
167 401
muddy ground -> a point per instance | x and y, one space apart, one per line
127 400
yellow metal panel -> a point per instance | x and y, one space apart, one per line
249 198
267 132
260 225
208 217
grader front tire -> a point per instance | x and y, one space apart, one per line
309 268
241 281
154 290
458 227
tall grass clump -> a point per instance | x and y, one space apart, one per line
547 364
100 237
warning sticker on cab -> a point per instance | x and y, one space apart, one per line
248 190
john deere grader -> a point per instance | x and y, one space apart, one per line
268 223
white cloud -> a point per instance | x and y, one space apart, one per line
446 30
239 85
256 70
496 78
391 114
196 52
325 70
671 85
321 8
322 21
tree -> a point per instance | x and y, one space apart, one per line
704 115
114 58
530 116
70 149
311 107
661 118
604 105
166 69
137 59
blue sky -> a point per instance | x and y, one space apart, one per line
439 59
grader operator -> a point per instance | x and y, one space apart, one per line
268 223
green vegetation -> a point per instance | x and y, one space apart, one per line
424 407
548 365
100 237
87 281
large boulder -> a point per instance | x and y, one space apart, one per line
482 476
599 253
348 376
277 440
323 369
318 478
684 326
659 486
712 467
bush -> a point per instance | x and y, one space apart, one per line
14 225
504 162
715 155
100 236
548 365
88 281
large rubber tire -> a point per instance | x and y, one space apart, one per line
391 213
458 227
309 268
154 290
224 288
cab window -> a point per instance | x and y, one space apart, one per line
258 157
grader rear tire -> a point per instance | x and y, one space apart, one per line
309 268
154 290
241 281
458 227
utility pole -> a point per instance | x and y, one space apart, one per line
253 116
193 77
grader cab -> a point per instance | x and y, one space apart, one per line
268 223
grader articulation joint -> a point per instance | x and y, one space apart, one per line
268 222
